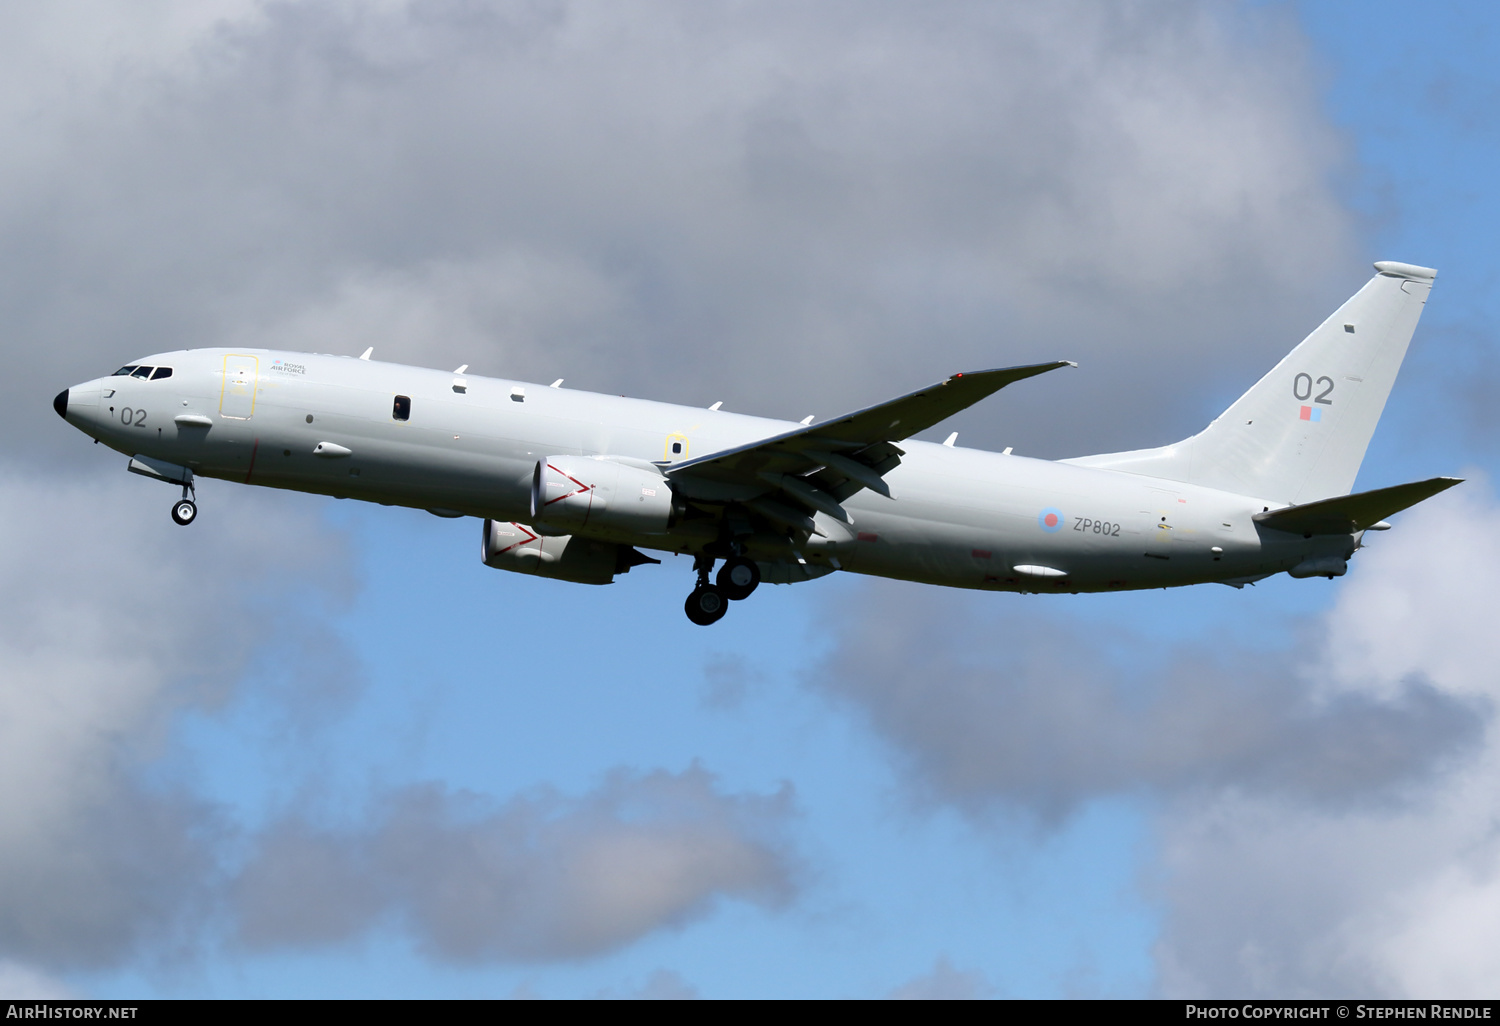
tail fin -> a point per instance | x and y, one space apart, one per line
1301 433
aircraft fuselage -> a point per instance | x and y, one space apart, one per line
460 444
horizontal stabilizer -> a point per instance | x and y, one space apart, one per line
1346 514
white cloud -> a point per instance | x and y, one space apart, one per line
1422 603
1399 898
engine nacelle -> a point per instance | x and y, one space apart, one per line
1320 566
565 557
574 492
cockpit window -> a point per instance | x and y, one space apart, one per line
141 372
123 371
161 372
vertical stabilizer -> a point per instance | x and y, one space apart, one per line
1300 434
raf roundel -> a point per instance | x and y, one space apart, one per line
1050 520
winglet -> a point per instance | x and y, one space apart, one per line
366 354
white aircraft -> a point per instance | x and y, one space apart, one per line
571 485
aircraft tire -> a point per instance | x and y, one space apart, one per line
737 578
184 511
706 605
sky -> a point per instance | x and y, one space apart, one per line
312 748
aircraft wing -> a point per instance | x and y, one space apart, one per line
820 465
1345 514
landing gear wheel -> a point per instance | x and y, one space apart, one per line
706 605
184 511
738 577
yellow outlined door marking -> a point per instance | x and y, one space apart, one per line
237 397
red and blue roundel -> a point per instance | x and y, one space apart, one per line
1050 520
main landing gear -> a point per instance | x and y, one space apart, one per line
185 510
708 603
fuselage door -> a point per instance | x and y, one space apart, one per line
237 399
1160 520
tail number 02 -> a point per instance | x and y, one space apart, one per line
1302 389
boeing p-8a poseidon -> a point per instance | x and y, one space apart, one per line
571 485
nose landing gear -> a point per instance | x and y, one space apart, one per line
736 579
185 510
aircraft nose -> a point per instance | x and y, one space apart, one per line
60 404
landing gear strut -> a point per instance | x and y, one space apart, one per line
185 510
707 604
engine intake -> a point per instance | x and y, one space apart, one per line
575 492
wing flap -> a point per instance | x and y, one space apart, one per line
1345 514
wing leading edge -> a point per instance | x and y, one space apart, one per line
815 468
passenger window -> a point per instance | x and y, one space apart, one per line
123 371
161 372
676 448
141 372
401 410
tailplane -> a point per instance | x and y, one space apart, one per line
1301 432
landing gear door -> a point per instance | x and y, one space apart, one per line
237 400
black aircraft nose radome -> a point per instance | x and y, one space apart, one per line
60 404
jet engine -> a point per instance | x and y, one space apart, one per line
595 491
518 548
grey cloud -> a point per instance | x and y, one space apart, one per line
117 621
1023 714
685 200
539 877
1325 815
727 678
